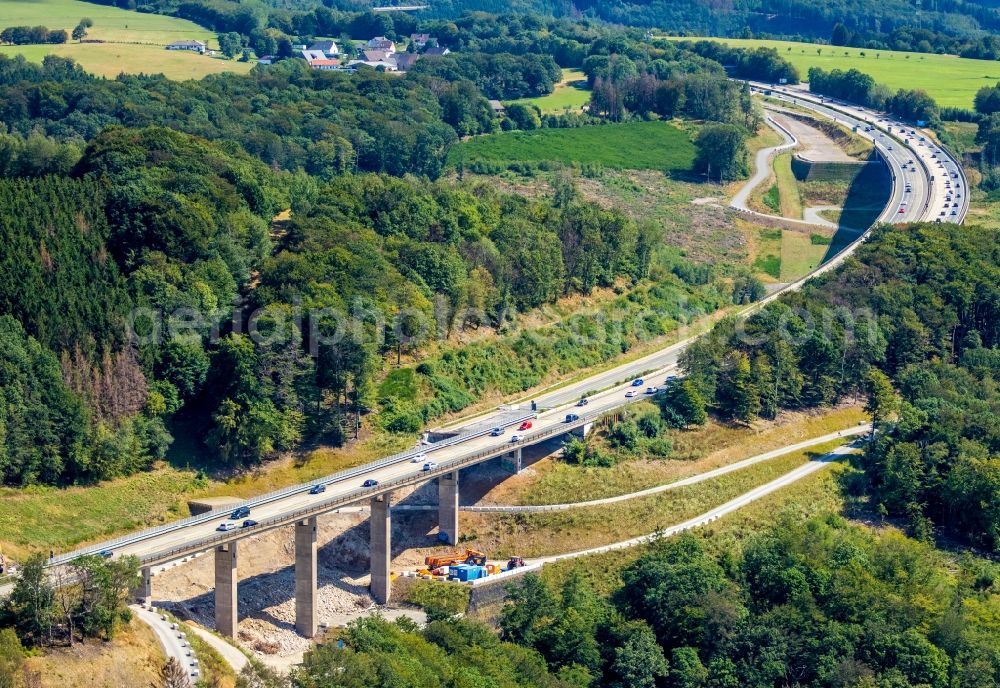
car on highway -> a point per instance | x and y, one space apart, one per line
430 466
496 432
572 417
240 512
418 458
902 210
631 393
225 527
317 489
583 402
942 212
249 523
670 378
516 438
954 212
105 554
638 382
652 390
526 425
954 205
370 483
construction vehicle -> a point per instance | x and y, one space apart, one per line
470 556
514 563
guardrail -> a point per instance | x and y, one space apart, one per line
279 494
448 466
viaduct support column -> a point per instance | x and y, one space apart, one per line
226 612
305 577
380 524
448 508
512 461
143 593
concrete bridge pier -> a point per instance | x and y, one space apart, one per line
226 612
448 507
512 461
143 593
305 577
583 430
380 524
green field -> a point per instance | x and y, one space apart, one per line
112 59
133 40
635 145
571 93
110 23
951 80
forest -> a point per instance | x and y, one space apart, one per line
152 289
911 323
814 603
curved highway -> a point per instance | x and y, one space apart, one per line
912 162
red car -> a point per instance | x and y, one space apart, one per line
526 425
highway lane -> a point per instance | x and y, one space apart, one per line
918 144
158 547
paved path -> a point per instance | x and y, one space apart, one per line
236 659
852 431
763 165
716 513
173 645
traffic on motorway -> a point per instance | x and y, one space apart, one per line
928 182
932 182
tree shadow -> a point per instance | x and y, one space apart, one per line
867 195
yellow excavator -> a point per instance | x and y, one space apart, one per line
470 556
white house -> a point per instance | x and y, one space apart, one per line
194 46
329 48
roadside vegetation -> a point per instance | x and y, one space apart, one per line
693 450
541 534
950 80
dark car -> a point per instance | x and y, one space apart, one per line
239 513
105 553
571 417
317 489
582 402
249 523
370 483
638 383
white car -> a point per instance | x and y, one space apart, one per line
430 466
516 438
631 393
418 458
652 390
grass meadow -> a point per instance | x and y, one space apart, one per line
571 93
133 41
951 80
110 23
634 145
